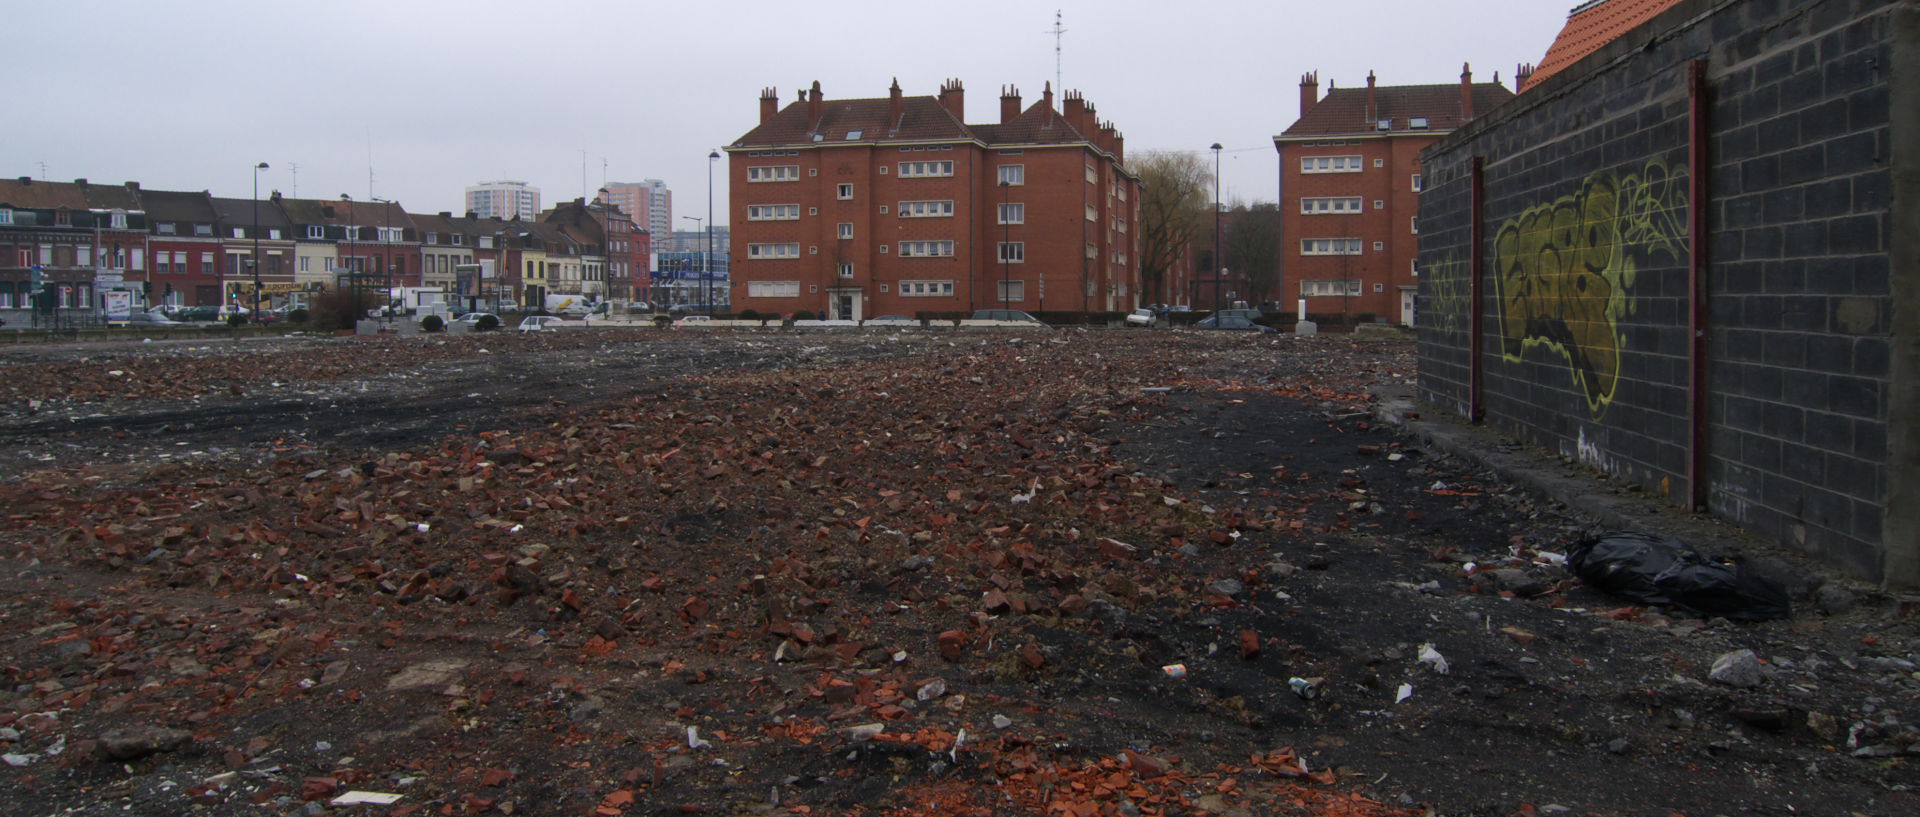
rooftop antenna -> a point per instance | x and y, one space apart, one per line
43 170
583 174
369 163
1057 31
295 167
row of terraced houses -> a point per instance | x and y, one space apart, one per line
73 241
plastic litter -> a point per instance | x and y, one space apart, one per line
1405 692
1664 571
1432 657
1306 688
1175 670
377 798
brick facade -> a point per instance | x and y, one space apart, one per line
857 208
1587 189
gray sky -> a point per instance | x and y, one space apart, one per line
189 95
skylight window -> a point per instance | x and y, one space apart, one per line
854 134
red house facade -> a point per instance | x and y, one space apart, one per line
1350 190
893 205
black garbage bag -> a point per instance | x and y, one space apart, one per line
1669 572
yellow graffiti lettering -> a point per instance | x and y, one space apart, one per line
1564 270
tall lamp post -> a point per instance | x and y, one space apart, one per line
705 259
1006 235
255 312
706 295
1216 227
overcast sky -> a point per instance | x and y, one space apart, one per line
191 94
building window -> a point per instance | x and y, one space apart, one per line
1013 252
925 249
203 229
1330 164
926 289
1013 174
6 216
813 249
914 170
773 173
846 270
206 263
1010 290
1379 288
1418 182
1414 224
164 228
1015 213
926 209
846 229
1379 163
773 212
239 232
1093 213
1379 246
1313 289
1093 176
773 289
1379 204
767 251
1333 204
1330 246
844 191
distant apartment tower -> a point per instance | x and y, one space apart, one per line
504 199
648 203
696 240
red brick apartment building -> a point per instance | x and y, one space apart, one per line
851 208
1350 190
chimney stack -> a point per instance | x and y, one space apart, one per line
814 106
1074 109
1373 107
1309 91
894 106
1466 92
1009 103
769 104
953 97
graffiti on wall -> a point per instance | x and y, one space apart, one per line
1449 297
1565 270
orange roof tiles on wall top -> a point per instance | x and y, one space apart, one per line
1589 28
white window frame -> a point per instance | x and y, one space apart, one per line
926 289
1331 164
773 251
926 249
1013 175
926 170
1331 205
1013 252
844 191
1329 289
1332 246
1009 291
773 173
773 289
1012 212
942 208
773 212
1419 182
846 229
1093 213
846 269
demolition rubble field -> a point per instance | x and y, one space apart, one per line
1041 573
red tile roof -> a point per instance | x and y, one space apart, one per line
1344 110
922 118
1589 28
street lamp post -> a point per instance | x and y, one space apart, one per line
387 261
255 312
706 295
1006 235
705 258
1216 227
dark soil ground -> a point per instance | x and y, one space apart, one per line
637 572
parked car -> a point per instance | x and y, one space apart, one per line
1232 323
1141 317
694 322
1005 315
471 318
151 317
226 311
539 323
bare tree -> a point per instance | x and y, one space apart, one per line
1173 206
1253 247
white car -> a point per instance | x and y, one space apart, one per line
540 323
694 322
1140 317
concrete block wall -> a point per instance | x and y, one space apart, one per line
1585 281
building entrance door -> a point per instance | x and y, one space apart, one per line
1406 307
845 306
